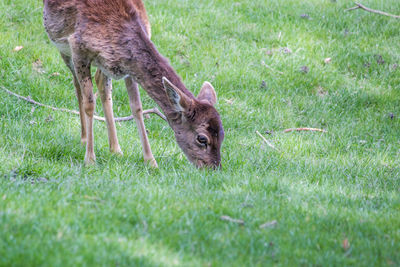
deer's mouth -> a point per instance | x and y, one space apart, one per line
200 163
203 164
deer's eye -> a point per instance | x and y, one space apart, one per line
202 139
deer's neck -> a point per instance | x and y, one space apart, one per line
147 66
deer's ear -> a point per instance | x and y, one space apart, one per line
207 93
179 100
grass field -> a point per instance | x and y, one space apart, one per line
335 196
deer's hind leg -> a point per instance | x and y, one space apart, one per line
137 111
68 62
104 86
82 70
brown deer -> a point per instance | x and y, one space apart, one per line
114 36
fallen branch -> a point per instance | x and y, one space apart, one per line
128 118
155 111
146 111
358 5
229 219
266 141
305 129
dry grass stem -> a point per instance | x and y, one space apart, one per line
266 141
270 68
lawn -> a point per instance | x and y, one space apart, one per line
324 199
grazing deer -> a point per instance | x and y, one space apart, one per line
114 36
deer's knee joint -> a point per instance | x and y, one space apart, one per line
89 108
138 111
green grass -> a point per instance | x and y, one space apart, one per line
320 188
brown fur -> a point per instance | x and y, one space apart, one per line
114 35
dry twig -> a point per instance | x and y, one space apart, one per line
229 219
266 141
305 129
358 5
270 224
30 100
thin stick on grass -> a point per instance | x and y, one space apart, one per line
232 220
304 129
358 5
99 118
270 224
266 141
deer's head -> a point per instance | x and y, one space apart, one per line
197 124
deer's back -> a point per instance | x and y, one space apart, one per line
63 18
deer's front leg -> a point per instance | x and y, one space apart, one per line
82 71
70 65
104 85
137 111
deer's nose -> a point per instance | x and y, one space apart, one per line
216 165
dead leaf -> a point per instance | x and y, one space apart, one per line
38 66
49 119
18 48
55 74
379 59
346 244
232 220
327 60
304 69
269 52
305 16
43 179
321 92
270 224
229 101
286 50
184 60
263 85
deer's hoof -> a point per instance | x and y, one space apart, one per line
117 151
152 163
90 160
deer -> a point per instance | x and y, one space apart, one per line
114 36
